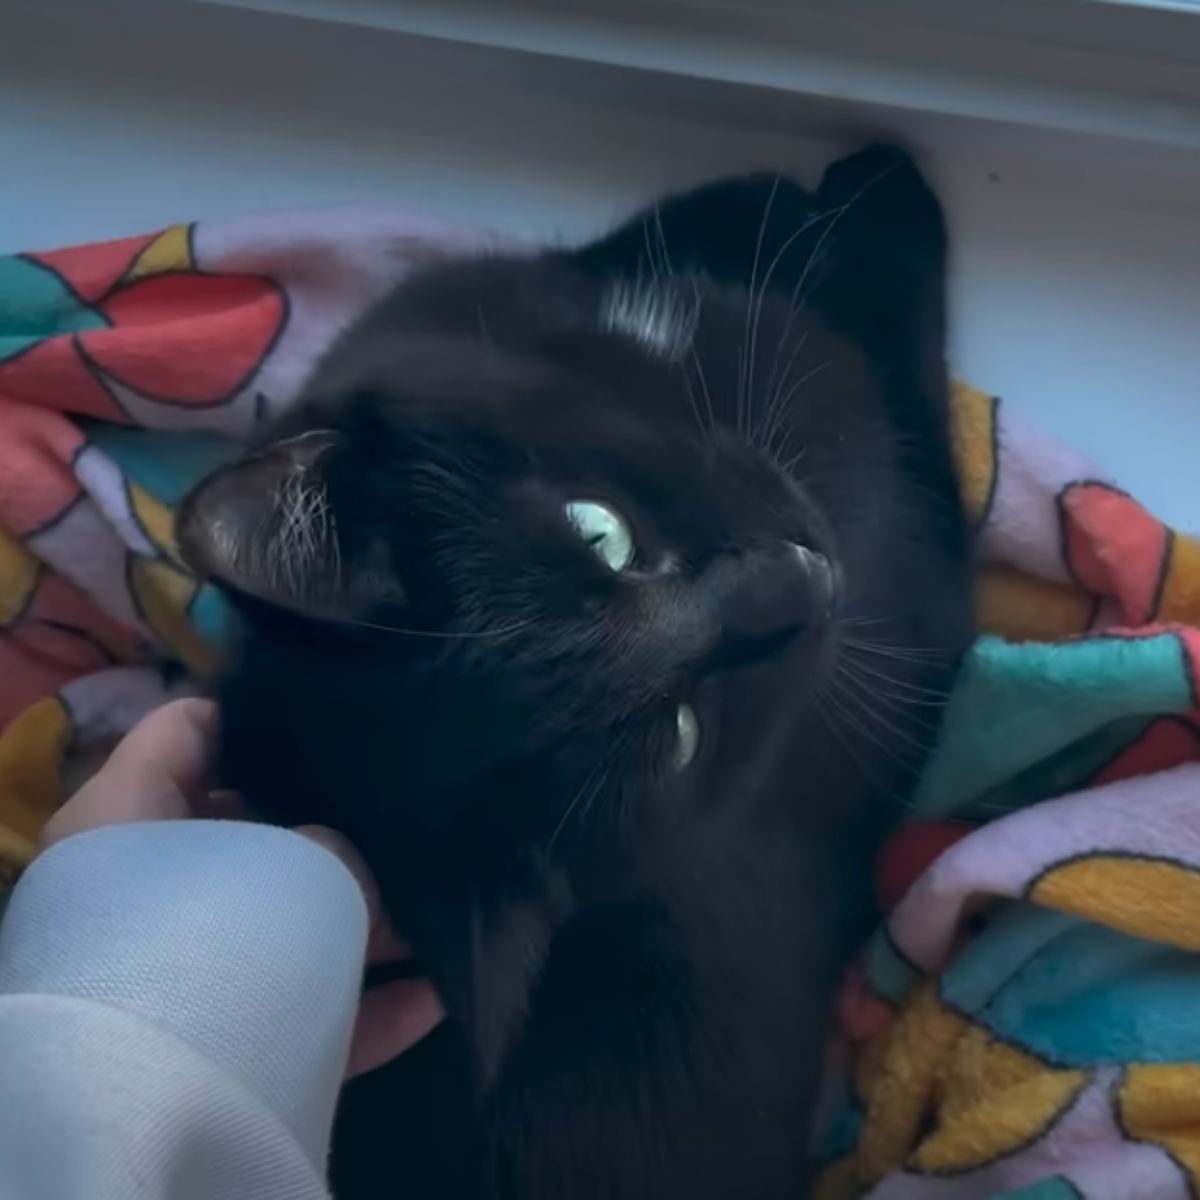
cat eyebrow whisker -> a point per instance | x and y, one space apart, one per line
657 271
796 304
653 314
756 306
708 400
762 436
781 402
746 357
797 300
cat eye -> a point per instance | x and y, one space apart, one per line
687 736
604 530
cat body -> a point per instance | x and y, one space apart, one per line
606 599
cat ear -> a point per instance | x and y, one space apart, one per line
885 248
265 527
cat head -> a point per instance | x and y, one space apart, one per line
530 584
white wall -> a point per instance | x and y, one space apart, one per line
1077 281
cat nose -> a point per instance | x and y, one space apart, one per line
764 597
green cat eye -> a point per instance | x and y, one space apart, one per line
604 531
687 736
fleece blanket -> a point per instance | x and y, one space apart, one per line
1024 1024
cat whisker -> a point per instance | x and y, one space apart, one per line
788 242
779 411
865 698
937 695
774 390
746 357
704 391
562 821
872 773
694 404
657 270
591 787
917 654
797 300
650 256
885 709
788 467
922 713
925 714
435 634
776 452
827 705
587 806
839 721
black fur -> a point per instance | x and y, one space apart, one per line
638 962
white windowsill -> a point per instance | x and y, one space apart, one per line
1064 136
1112 67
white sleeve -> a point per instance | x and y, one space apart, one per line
176 1004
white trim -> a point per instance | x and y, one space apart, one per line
1123 68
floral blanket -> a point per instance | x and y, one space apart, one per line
1024 1024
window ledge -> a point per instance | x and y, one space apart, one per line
1121 68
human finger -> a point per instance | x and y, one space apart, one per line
155 773
392 1018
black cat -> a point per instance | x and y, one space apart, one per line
606 599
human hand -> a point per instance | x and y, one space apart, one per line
160 773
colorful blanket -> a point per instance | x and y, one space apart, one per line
127 370
1023 1025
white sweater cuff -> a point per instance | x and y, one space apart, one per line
245 942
